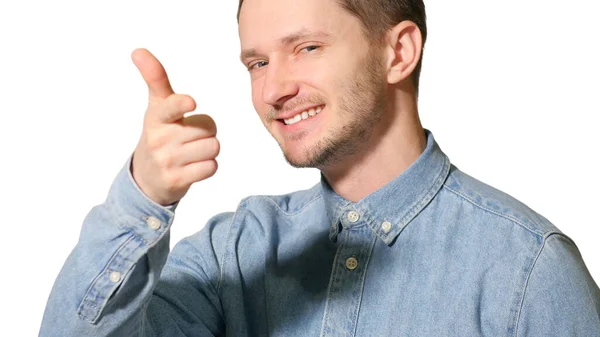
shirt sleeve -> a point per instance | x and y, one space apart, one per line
561 298
107 284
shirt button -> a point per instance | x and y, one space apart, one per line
153 222
353 216
351 263
115 276
386 226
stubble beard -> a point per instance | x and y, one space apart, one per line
361 107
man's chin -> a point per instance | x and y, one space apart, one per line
317 156
300 156
308 152
298 160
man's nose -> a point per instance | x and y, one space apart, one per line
279 85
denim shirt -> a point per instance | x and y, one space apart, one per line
432 253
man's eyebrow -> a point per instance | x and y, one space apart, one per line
286 41
300 35
248 53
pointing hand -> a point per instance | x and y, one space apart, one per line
173 151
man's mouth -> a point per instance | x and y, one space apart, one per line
303 115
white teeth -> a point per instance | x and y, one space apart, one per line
303 115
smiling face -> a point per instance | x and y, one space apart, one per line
318 85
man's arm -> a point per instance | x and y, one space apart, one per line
561 298
108 285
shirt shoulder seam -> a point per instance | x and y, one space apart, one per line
500 214
526 283
227 239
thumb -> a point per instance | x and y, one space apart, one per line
153 72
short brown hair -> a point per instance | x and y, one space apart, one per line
377 16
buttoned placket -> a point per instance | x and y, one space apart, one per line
355 245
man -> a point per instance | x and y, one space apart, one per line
394 240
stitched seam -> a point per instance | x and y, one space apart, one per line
527 283
426 197
284 212
503 215
228 238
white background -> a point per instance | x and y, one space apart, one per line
509 89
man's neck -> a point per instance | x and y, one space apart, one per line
396 142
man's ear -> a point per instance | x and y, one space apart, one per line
403 50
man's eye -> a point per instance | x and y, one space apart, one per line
257 65
310 48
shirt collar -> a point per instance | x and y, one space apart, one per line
391 208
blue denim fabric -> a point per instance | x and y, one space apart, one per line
432 253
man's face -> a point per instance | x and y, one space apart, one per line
317 84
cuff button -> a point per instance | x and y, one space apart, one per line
114 276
